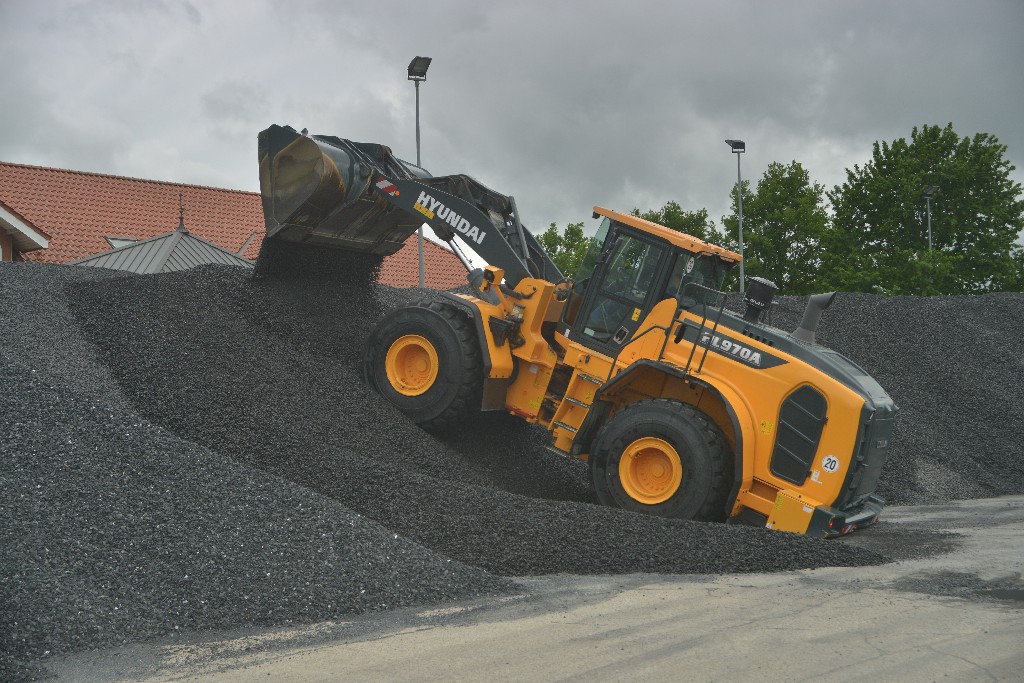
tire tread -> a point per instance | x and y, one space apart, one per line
720 454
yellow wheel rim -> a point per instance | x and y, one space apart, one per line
650 470
411 365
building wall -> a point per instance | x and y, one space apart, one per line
6 247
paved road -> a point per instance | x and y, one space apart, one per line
955 613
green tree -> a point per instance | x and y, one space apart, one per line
695 223
784 228
566 248
1019 259
879 240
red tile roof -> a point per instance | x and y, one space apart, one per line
441 268
18 233
78 210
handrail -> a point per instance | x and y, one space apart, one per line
668 329
652 328
703 324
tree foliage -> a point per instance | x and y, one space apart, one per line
566 248
879 240
784 228
695 223
876 237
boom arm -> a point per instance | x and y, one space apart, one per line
360 197
486 220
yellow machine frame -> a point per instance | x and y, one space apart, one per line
717 386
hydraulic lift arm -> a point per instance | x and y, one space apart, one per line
360 197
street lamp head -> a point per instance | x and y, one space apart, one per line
738 146
418 68
929 191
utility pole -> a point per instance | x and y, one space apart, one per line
417 73
927 194
738 147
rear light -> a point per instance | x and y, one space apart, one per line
837 522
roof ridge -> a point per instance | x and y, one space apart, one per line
215 246
124 177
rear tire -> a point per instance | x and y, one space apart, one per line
425 360
664 458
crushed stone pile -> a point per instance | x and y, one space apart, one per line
112 529
268 372
214 424
133 532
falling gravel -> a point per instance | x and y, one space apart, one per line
198 450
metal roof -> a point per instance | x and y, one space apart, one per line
176 250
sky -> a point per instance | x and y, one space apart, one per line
563 104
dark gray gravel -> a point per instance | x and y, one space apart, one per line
291 401
214 424
148 533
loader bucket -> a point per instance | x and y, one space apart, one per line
319 190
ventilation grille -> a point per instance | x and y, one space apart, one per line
801 421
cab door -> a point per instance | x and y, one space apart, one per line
628 281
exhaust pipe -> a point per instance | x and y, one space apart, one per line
816 305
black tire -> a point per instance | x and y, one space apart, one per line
704 457
456 391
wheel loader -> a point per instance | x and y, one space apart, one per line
682 408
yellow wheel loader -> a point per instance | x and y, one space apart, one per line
681 408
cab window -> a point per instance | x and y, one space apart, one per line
691 274
627 281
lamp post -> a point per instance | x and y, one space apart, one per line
738 148
418 72
927 194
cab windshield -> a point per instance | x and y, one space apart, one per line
589 261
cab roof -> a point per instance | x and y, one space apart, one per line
679 239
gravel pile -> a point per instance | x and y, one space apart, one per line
953 367
121 530
197 450
113 529
267 372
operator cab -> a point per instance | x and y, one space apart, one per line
631 265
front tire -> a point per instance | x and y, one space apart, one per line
425 359
665 458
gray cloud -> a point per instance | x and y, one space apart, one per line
563 104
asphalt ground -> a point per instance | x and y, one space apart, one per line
952 609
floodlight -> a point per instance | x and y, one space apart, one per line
418 68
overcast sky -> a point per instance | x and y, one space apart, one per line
562 104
